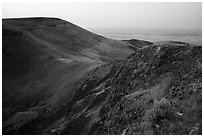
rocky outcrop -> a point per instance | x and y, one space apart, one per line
157 90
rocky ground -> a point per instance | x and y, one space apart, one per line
157 90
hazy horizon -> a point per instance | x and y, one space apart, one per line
90 15
147 30
188 36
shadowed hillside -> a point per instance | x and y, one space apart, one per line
61 79
43 59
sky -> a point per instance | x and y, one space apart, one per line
114 15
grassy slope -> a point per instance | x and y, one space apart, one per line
65 39
43 59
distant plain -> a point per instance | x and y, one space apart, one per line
153 35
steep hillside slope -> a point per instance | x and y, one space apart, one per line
43 60
61 79
157 90
61 38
